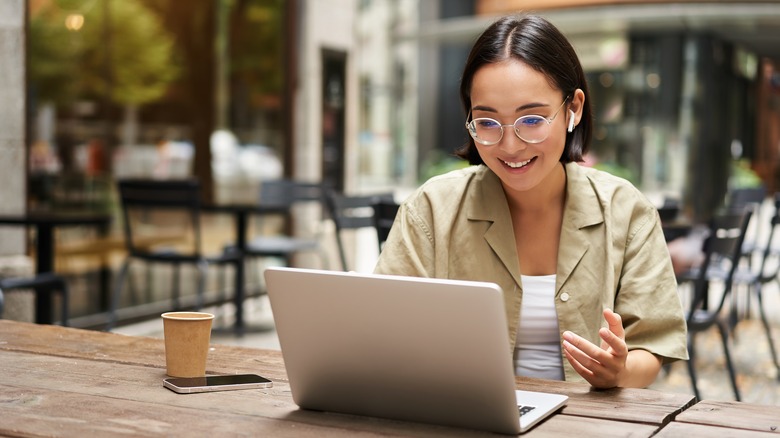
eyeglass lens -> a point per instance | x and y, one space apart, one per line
532 129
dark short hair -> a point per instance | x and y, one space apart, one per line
539 44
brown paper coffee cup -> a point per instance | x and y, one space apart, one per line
187 336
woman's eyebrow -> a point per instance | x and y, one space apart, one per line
484 108
530 105
517 110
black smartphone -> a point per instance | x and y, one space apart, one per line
189 385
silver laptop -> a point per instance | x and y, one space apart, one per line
404 348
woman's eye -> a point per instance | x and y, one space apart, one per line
530 121
487 123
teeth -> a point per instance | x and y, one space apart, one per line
517 165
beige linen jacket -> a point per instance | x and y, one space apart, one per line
612 254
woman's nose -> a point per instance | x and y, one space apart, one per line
511 142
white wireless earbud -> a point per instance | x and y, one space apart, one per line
571 121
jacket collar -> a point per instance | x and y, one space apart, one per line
582 210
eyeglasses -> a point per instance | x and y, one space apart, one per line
530 128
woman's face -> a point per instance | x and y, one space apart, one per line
505 91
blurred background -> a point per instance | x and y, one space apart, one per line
364 93
361 95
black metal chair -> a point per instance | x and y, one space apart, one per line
385 212
44 283
754 280
748 197
722 255
286 195
352 212
162 225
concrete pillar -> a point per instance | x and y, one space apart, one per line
13 175
12 121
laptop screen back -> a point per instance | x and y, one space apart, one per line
406 348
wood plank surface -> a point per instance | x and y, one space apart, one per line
57 381
734 415
624 404
690 430
122 349
83 397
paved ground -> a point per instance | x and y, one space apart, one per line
757 377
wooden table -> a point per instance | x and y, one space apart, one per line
57 381
725 418
44 223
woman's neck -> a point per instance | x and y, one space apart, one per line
550 193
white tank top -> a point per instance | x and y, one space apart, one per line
538 343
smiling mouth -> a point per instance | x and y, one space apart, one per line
518 164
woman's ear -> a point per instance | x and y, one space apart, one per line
575 108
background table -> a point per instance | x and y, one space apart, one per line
44 224
57 381
241 214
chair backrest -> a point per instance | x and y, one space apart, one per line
384 216
770 250
41 283
284 196
286 193
740 198
722 253
352 212
669 210
161 216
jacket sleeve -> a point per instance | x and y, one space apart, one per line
409 249
647 298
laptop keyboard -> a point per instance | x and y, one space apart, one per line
525 409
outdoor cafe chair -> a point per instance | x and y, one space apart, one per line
737 199
352 212
47 282
384 216
767 272
286 195
722 255
162 226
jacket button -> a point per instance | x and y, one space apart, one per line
564 297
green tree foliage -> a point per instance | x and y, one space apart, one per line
256 58
119 50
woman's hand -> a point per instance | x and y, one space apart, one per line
611 364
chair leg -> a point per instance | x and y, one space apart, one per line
733 311
767 329
342 252
221 296
149 269
132 286
63 286
175 286
120 279
221 292
692 367
202 271
727 353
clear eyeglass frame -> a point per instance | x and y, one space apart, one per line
522 123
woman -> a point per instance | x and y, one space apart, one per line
580 255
